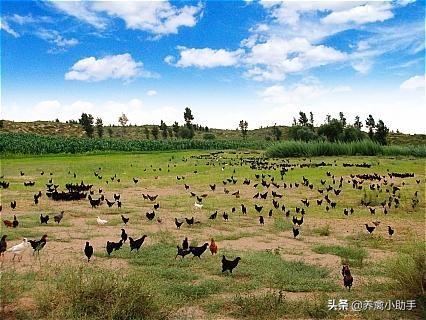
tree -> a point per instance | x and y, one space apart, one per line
370 123
146 131
155 132
302 133
357 123
352 133
123 121
170 132
187 115
243 127
110 132
163 128
86 121
186 133
303 119
175 128
333 130
381 132
342 119
99 127
328 118
311 119
276 132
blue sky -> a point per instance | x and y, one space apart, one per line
261 61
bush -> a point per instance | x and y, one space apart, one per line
408 269
77 293
320 148
186 133
209 136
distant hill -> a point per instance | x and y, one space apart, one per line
49 128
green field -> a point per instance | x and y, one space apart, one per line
278 277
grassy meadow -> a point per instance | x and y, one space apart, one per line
278 277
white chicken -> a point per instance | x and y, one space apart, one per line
19 249
101 221
198 205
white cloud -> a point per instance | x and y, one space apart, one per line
206 58
415 82
157 17
82 11
55 38
121 67
5 27
276 57
151 93
371 12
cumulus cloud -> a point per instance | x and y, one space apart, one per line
205 58
151 93
156 17
121 67
367 13
415 82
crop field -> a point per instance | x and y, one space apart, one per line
281 275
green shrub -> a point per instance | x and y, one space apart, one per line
209 136
352 255
408 269
93 293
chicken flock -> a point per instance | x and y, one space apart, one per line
269 193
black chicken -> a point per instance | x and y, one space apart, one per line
229 264
88 251
198 251
136 244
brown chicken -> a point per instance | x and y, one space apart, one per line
213 247
8 223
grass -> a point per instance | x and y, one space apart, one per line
355 256
264 268
93 293
365 148
408 269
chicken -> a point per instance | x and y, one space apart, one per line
109 203
88 251
123 235
124 219
243 209
213 247
390 231
3 245
258 208
15 222
113 246
57 218
347 277
185 244
225 216
150 215
296 232
190 221
198 251
8 223
213 215
182 252
101 221
369 229
178 223
136 244
198 205
19 249
261 220
229 264
37 245
44 219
